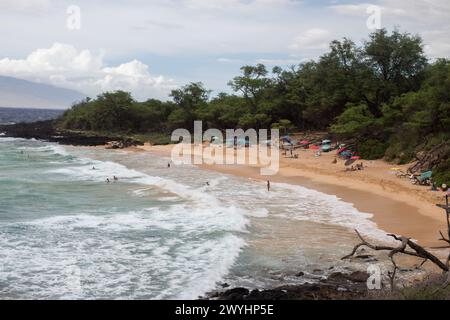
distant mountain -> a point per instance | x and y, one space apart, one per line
18 93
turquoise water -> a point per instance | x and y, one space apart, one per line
157 233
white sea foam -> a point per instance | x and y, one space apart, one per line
315 206
181 253
99 171
50 148
7 139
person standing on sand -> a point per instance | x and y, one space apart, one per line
268 185
168 165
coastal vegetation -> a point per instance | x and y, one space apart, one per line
384 95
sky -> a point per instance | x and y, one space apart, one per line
150 47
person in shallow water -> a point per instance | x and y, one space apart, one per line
107 180
116 179
268 185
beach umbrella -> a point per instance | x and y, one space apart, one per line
315 148
326 141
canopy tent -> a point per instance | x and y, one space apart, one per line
326 142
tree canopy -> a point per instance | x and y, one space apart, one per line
384 93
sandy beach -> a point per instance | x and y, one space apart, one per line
397 206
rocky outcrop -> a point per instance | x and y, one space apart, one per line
46 130
338 286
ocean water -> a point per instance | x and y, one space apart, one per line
158 232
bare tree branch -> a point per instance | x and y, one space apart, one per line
409 247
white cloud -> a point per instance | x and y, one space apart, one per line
282 62
351 9
229 60
437 43
429 18
194 33
311 39
430 11
237 5
24 5
65 66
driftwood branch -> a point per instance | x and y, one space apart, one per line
406 247
414 250
443 238
409 248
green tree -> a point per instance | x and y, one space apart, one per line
397 62
189 98
283 125
251 84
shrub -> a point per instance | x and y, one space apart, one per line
372 149
441 174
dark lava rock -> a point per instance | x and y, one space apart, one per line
357 277
46 130
338 286
234 294
300 274
267 295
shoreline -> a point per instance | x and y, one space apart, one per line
395 206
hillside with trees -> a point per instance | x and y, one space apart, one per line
385 95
